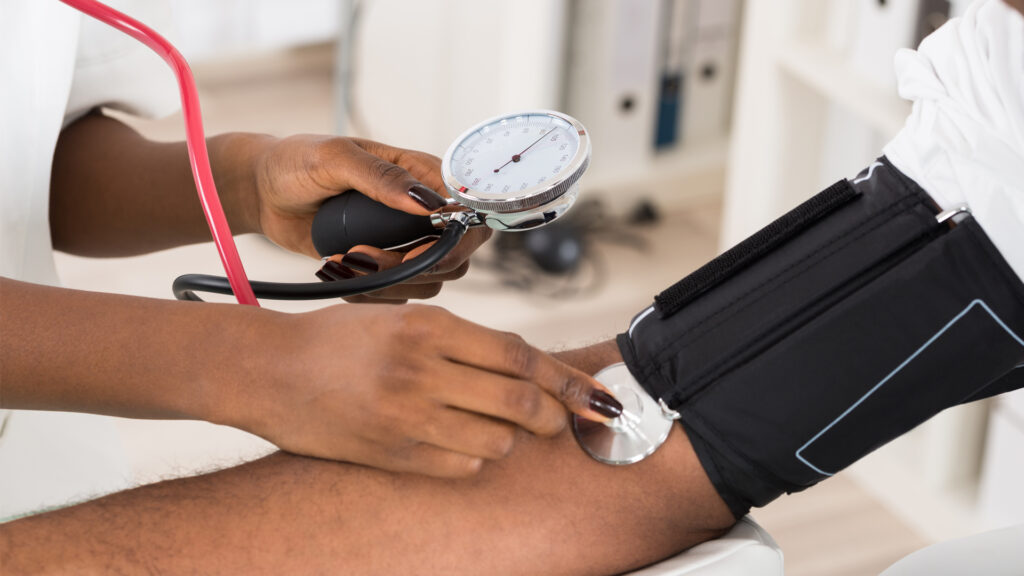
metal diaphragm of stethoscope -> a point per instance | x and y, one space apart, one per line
513 172
642 428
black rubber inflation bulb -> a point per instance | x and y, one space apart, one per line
350 219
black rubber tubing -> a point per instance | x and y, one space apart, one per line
186 286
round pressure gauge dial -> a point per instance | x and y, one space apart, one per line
518 170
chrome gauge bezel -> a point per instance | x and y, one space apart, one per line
566 181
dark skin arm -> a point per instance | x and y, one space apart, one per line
546 509
407 388
349 383
115 193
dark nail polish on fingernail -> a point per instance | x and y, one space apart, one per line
605 404
359 261
336 271
323 276
427 198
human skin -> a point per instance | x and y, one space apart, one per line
115 193
410 389
407 388
545 509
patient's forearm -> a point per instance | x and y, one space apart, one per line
546 509
592 358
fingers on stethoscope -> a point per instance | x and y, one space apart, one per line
448 443
512 400
578 392
470 434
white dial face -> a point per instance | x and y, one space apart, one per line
505 158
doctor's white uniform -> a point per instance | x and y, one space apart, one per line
55 65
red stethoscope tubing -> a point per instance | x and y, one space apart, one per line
197 154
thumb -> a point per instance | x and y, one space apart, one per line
378 177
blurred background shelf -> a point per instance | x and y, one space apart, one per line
827 71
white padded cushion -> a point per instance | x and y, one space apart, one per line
746 550
996 553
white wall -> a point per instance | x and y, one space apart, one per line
424 71
217 28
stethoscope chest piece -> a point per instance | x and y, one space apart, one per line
641 429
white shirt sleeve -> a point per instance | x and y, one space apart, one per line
117 71
964 140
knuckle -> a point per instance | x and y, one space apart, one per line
430 290
381 169
460 271
407 453
393 438
524 402
574 390
414 322
500 443
520 357
462 466
399 379
425 428
326 151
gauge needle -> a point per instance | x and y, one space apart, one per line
518 157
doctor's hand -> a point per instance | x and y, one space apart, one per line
407 388
293 176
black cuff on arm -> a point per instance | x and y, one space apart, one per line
835 329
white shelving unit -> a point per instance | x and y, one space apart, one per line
815 102
795 83
552 54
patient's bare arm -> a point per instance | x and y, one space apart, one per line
546 509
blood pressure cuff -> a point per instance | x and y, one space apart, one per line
838 327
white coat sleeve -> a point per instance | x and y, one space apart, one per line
116 71
964 139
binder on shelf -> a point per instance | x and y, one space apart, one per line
673 73
612 82
708 95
